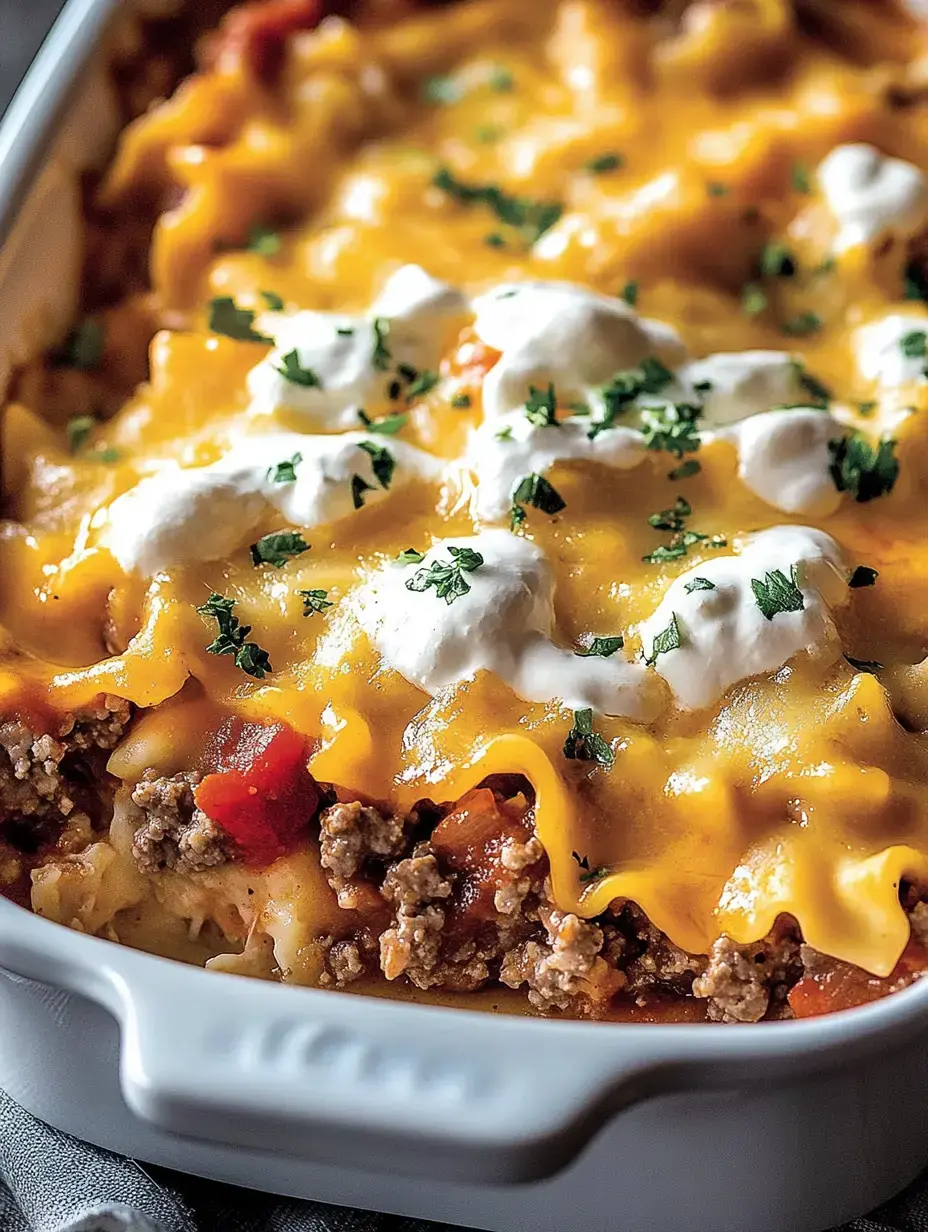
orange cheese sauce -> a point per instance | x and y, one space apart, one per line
799 792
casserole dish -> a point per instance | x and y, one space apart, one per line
420 1110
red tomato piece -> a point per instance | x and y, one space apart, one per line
261 793
840 985
257 34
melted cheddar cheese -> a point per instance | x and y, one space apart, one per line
733 196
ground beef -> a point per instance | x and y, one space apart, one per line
647 956
745 983
52 778
414 887
353 834
175 833
564 968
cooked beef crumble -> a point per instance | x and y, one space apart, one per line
175 833
49 779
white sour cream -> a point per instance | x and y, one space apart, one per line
872 195
179 516
504 624
880 354
743 383
565 334
724 635
500 462
409 318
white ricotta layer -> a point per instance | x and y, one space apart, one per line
565 334
500 462
504 624
879 352
725 636
340 349
179 516
872 195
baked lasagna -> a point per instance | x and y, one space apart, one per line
474 539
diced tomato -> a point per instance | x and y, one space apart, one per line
840 985
257 34
261 793
469 842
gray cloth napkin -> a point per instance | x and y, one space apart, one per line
50 1182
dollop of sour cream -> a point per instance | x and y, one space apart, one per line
871 195
561 333
882 356
353 359
504 624
502 452
180 516
731 385
724 635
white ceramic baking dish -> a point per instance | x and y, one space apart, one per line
494 1122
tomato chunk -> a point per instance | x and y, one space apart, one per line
840 985
257 34
261 792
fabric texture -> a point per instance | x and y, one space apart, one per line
50 1182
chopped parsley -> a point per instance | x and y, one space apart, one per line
424 382
600 647
819 393
314 601
866 408
226 318
800 178
359 486
699 583
448 577
411 556
461 402
668 639
501 79
383 464
630 293
382 357
294 372
442 90
753 299
541 406
864 470
495 240
685 470
776 261
802 325
504 434
277 548
230 638
264 241
650 377
584 744
285 472
529 217
388 425
274 302
603 163
672 429
715 189
864 665
486 134
680 544
778 593
536 491
863 575
915 345
672 519
588 874
79 431
83 347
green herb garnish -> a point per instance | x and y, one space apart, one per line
698 583
685 470
264 241
79 431
672 519
273 301
387 425
603 163
410 557
600 647
294 372
915 344
448 577
864 470
536 491
230 638
285 472
359 486
461 402
630 293
800 178
226 318
541 406
277 548
650 377
753 299
668 639
314 601
584 744
424 382
672 429
778 593
802 325
382 358
529 217
776 261
83 347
